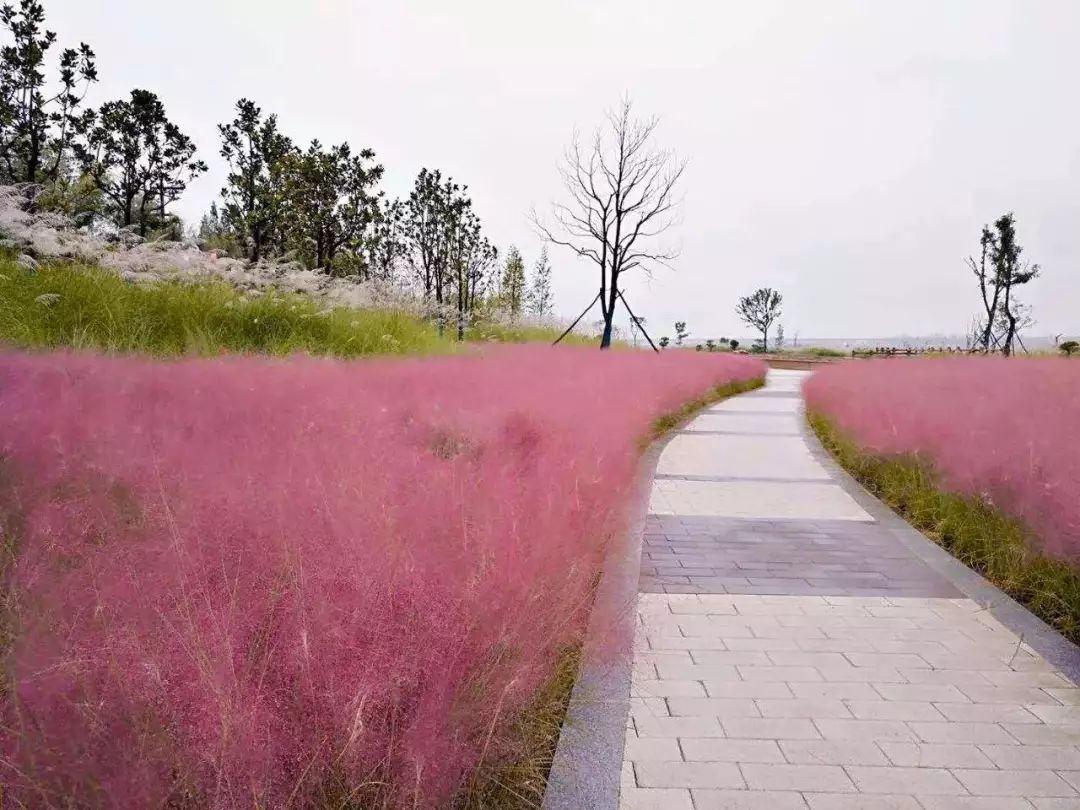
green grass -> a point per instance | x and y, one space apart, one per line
670 421
86 307
812 351
983 538
500 333
520 784
68 306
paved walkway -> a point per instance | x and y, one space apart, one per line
791 652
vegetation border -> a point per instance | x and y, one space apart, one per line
587 763
852 467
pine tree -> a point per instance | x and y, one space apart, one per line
254 194
541 297
36 129
513 281
139 160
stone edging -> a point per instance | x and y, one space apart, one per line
586 769
1033 631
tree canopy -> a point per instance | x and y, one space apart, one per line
759 310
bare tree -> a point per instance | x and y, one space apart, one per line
620 198
759 310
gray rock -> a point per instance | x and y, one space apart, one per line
28 263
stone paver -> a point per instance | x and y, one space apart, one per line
791 652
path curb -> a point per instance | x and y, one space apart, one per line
586 769
1033 631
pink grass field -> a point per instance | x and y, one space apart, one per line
1007 430
243 582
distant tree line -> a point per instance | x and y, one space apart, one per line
125 164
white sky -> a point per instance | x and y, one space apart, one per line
845 152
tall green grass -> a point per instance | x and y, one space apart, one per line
83 307
983 538
512 333
811 351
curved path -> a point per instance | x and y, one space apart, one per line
797 646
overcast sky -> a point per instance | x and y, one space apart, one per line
846 153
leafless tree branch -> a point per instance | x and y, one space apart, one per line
620 198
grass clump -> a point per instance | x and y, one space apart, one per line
92 308
520 785
1000 548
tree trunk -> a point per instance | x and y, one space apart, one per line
1010 319
461 312
608 308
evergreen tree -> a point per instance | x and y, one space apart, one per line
448 252
541 297
138 159
513 282
255 189
472 256
214 232
432 216
329 204
388 245
36 129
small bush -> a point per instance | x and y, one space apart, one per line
819 351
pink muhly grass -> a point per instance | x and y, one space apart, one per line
1004 430
245 581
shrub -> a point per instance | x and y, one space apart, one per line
249 582
1000 430
820 351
